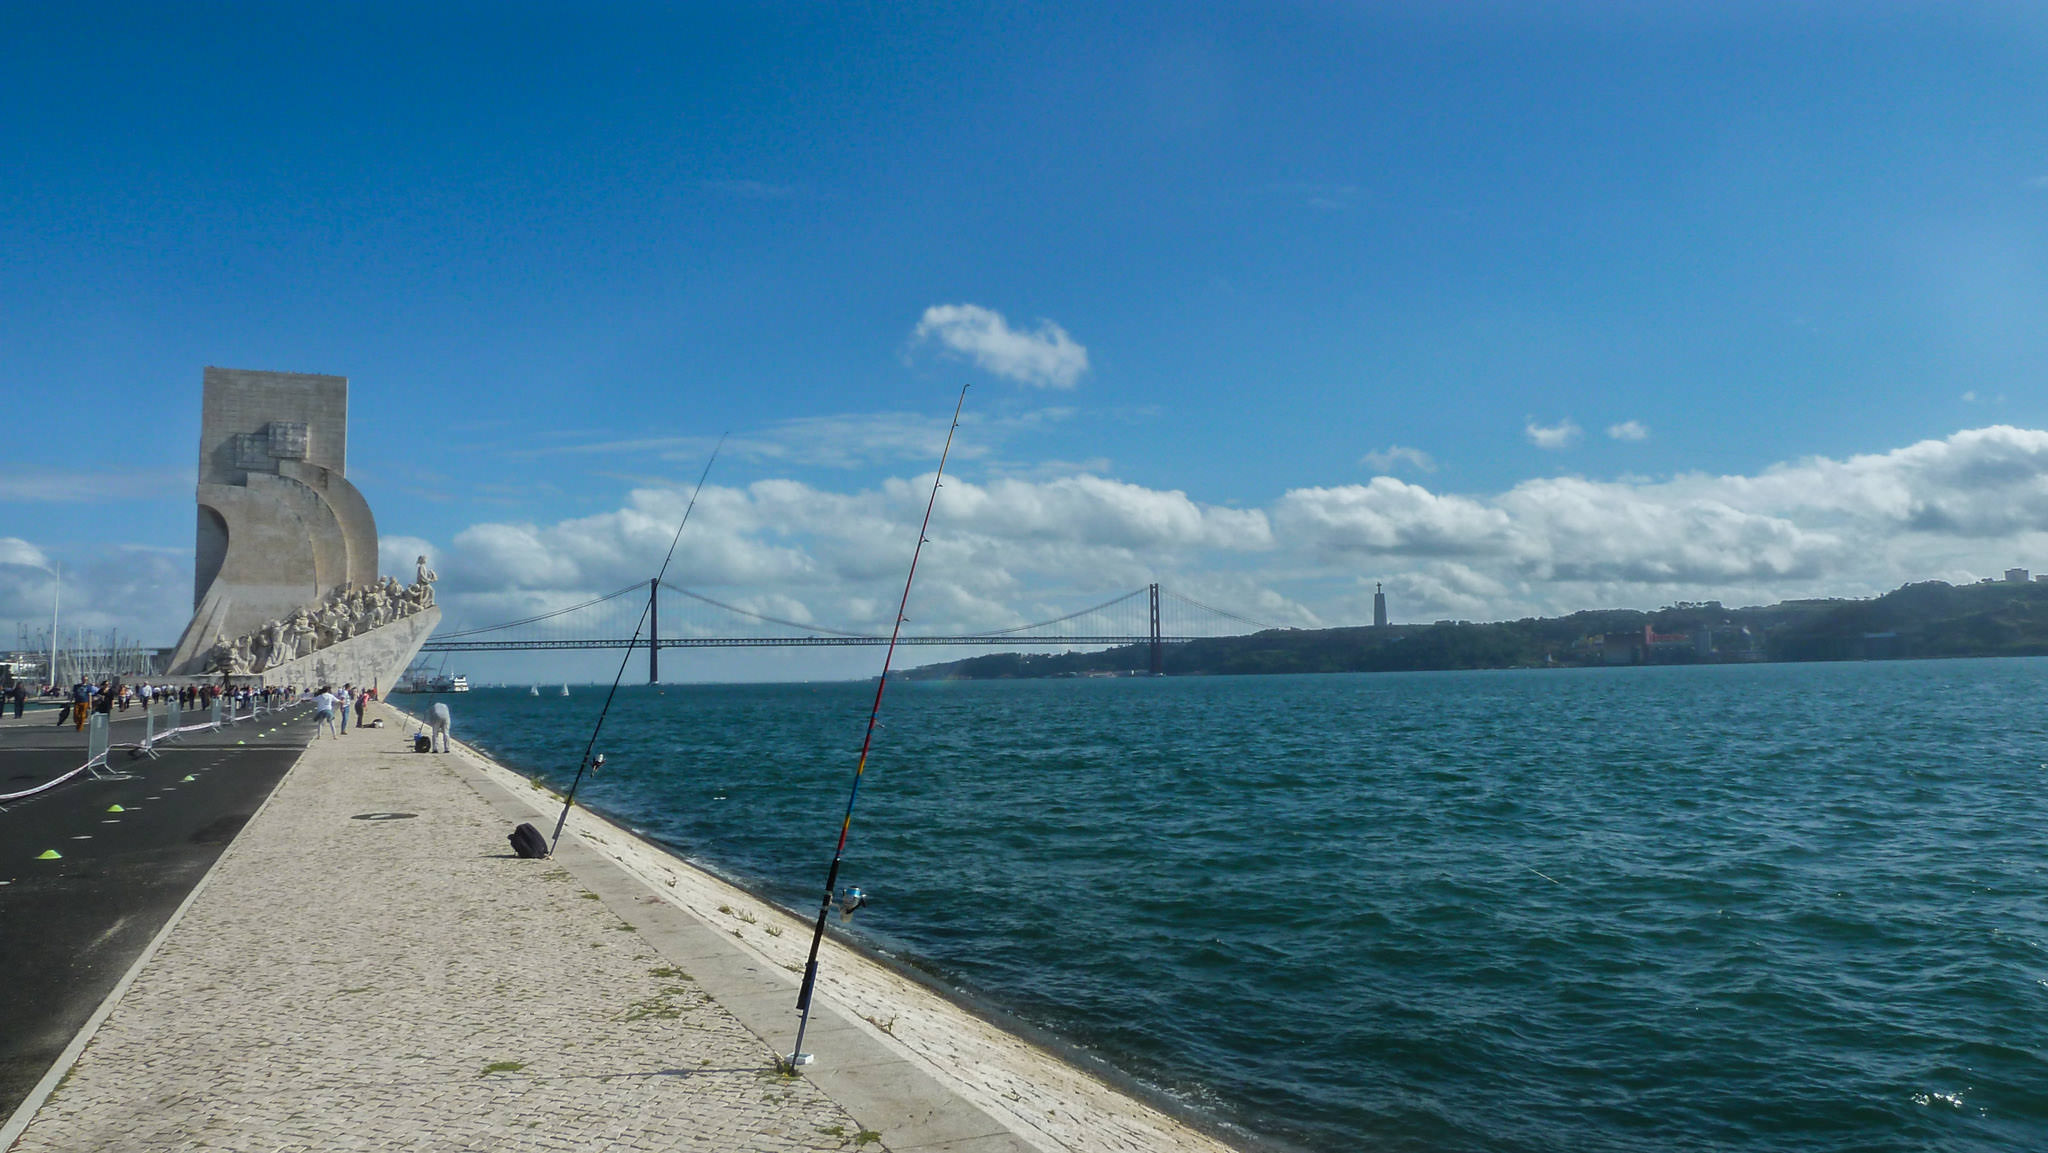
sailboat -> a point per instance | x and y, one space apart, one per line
533 690
565 690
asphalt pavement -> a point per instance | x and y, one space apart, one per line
91 870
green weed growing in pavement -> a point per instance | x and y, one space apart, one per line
503 1067
657 1007
668 973
832 1130
864 1136
588 895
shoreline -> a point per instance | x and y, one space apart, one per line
1042 1087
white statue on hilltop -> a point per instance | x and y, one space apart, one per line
423 580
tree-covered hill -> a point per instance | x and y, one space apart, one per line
1930 619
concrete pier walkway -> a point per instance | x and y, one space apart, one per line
368 966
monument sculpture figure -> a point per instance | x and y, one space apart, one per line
285 554
423 580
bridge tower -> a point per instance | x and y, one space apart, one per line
1158 653
654 630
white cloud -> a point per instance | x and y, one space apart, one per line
1560 435
1389 517
16 551
803 552
1393 456
1964 506
144 593
1008 549
1046 358
1629 430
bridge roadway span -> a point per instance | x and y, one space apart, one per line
367 966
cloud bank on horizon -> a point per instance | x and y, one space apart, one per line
1006 551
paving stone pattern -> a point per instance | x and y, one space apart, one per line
407 984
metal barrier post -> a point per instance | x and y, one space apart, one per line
96 748
148 745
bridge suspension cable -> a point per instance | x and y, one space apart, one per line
542 617
765 618
1224 613
1111 603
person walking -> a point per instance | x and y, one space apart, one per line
323 712
20 698
362 705
81 701
342 702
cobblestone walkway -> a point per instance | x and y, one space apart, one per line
353 978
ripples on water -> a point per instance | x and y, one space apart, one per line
1756 907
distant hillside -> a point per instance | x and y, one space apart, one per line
1932 619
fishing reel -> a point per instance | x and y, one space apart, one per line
597 763
851 901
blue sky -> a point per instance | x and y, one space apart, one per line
1517 308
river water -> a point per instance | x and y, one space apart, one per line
1719 907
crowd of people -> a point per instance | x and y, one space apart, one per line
112 695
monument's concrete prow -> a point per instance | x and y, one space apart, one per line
375 659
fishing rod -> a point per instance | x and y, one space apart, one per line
797 1056
570 800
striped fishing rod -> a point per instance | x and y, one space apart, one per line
570 800
797 1056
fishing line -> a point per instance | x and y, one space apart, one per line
797 1056
570 799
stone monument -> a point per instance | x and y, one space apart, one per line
285 584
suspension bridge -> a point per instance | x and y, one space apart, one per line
1146 616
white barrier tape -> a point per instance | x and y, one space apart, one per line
45 787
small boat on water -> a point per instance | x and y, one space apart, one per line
533 690
565 690
447 684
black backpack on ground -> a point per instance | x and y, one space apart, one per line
527 841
